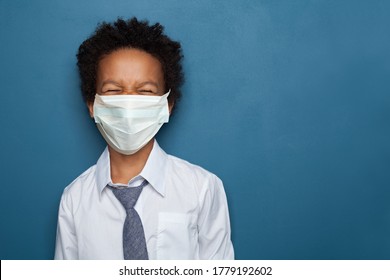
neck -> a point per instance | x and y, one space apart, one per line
126 167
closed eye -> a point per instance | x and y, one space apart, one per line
113 91
146 91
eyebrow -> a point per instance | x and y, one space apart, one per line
149 83
110 82
141 84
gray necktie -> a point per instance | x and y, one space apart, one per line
134 245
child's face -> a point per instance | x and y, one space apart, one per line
129 71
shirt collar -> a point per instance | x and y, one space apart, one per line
153 171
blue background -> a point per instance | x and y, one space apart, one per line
287 101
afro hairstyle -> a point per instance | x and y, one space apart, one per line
132 34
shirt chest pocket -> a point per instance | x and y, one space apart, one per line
177 236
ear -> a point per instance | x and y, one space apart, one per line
170 107
90 108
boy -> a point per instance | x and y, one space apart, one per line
137 202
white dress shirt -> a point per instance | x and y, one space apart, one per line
183 210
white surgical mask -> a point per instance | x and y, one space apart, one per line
129 122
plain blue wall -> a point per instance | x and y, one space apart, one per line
287 101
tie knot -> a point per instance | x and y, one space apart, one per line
129 196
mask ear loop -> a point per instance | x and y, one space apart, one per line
168 92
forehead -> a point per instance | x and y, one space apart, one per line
129 65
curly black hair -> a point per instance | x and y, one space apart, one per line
135 34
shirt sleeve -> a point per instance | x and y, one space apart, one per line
66 241
214 223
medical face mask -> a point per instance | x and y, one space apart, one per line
129 122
